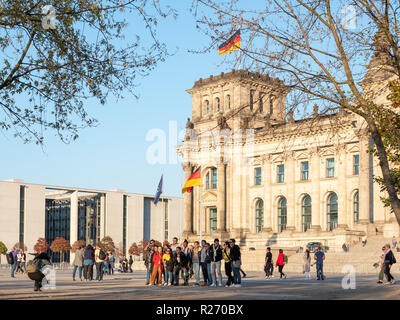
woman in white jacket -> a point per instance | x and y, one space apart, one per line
307 264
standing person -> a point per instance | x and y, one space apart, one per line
78 263
157 265
88 262
14 254
364 240
130 264
216 251
319 257
280 263
149 250
21 261
394 242
180 263
188 255
268 266
389 260
203 264
106 268
381 264
226 252
174 245
196 258
208 263
307 264
100 257
111 261
236 262
168 261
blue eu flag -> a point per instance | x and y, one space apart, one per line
159 190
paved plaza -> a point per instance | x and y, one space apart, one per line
254 287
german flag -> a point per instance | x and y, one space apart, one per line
194 180
231 44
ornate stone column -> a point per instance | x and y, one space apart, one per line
221 197
188 214
291 201
364 180
315 170
268 211
342 190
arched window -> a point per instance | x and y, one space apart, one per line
228 101
208 180
332 210
217 104
251 99
259 215
207 106
282 214
356 207
214 178
306 213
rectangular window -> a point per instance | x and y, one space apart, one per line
214 178
304 170
356 164
281 173
257 176
21 213
271 106
213 219
251 99
330 167
260 97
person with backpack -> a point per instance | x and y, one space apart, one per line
236 262
100 257
88 262
78 263
268 265
34 269
319 257
216 251
12 258
280 263
389 260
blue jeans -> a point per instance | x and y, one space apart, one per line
320 274
168 276
106 269
74 272
196 269
236 274
148 276
210 281
13 267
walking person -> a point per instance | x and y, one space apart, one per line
157 266
203 263
280 263
319 257
236 262
88 262
111 261
14 254
381 264
389 260
268 266
196 258
130 263
149 250
168 261
78 263
100 257
307 264
216 251
21 256
226 253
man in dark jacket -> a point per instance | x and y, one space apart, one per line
216 251
236 263
180 263
389 260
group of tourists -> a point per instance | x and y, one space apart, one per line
106 262
166 264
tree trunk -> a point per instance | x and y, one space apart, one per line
384 164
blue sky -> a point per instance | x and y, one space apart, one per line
113 155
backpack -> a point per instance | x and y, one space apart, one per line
394 260
32 266
102 255
285 258
10 258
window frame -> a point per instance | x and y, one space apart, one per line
279 174
302 171
329 169
258 178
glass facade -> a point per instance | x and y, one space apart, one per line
259 215
280 173
21 213
304 170
213 219
89 219
282 214
257 176
306 213
332 210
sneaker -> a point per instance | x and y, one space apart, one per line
165 284
149 284
212 285
244 276
380 282
220 285
238 285
169 284
393 281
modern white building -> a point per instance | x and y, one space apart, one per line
30 211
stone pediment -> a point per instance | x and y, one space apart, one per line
209 196
354 148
